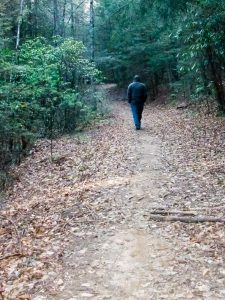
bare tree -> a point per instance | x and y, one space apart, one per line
20 19
56 23
35 17
72 19
92 30
63 18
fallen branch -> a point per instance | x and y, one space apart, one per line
10 255
176 212
186 219
193 209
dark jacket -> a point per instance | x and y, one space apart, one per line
137 93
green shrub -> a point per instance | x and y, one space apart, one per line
42 93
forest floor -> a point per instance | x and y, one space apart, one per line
83 225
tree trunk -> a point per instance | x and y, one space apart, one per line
30 19
169 74
63 18
205 79
20 19
215 71
35 18
92 32
56 17
72 19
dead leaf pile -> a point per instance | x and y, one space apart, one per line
52 199
193 150
55 200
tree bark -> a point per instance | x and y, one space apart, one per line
92 30
215 71
35 18
72 19
63 18
30 19
20 19
56 21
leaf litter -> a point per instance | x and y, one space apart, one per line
50 201
193 146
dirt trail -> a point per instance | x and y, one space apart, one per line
128 260
124 261
120 253
126 256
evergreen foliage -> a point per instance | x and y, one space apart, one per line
42 92
178 43
45 79
44 65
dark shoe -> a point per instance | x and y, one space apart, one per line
138 128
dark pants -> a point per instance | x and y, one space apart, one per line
137 110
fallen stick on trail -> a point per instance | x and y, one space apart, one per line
10 256
176 212
193 209
186 219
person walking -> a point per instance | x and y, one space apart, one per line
137 95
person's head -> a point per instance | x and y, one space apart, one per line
137 78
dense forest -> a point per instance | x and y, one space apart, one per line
180 43
93 204
53 53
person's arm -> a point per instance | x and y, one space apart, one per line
129 94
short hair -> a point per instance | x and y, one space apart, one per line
137 78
